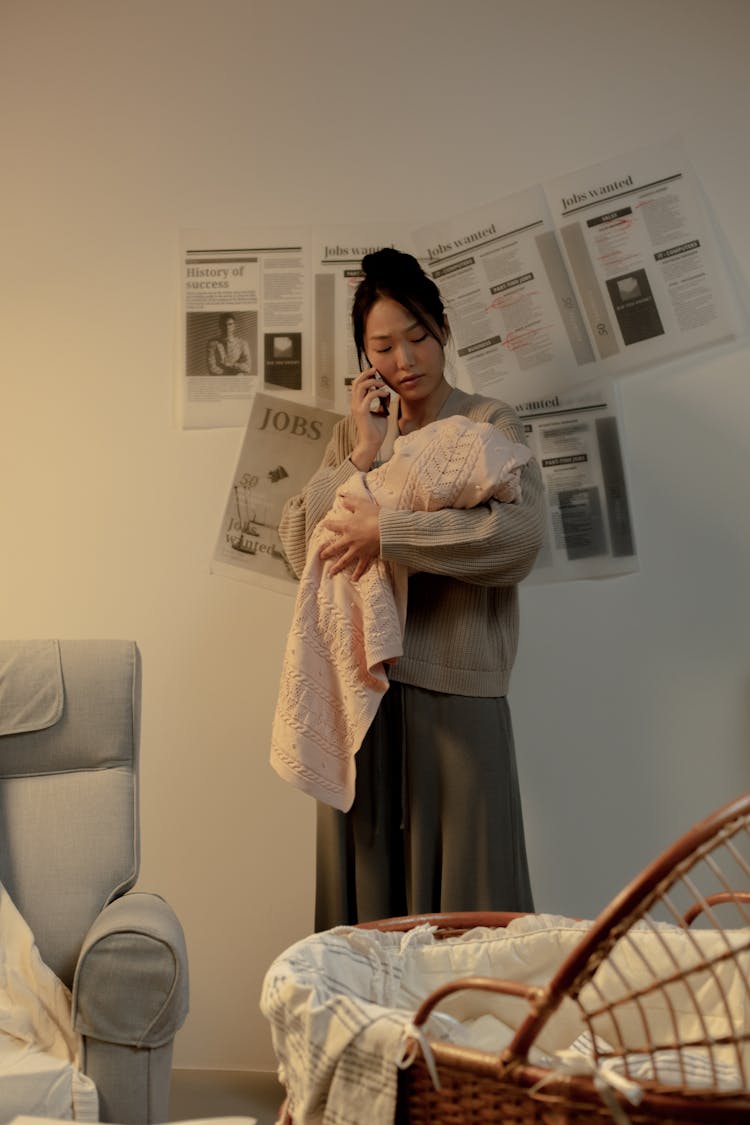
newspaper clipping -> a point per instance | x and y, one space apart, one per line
589 525
514 316
245 322
283 445
635 235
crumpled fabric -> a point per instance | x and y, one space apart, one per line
341 1005
40 1052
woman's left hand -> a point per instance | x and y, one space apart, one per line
357 539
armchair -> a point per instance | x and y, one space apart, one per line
69 856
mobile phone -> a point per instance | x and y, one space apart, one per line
379 406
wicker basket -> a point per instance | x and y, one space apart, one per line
701 886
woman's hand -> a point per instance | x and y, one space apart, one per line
357 540
366 389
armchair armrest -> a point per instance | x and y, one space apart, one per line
131 980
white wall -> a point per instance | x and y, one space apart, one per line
122 123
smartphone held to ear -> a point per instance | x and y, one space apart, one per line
379 406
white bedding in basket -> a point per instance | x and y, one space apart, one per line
40 1053
341 1002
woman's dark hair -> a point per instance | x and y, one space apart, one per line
399 276
226 317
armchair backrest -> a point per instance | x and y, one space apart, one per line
69 730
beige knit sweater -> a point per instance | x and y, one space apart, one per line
343 632
461 633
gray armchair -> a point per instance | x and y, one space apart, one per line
69 856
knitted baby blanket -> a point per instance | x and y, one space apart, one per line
343 633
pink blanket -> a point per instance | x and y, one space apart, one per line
344 633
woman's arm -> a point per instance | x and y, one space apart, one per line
302 513
354 444
494 544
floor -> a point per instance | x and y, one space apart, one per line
225 1093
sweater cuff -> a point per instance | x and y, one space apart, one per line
346 469
388 520
337 478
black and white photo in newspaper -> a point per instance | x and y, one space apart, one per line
283 445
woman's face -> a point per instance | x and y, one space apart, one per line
410 360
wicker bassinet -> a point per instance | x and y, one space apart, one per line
701 887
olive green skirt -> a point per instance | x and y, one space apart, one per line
436 823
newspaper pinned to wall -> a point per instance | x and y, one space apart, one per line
636 238
283 445
245 322
579 448
514 316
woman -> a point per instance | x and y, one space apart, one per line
436 822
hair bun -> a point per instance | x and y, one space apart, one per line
387 264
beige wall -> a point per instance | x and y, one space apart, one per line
122 123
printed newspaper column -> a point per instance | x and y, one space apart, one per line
514 315
245 321
283 445
579 450
337 260
646 268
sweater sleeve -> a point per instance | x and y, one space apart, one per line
303 512
493 544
